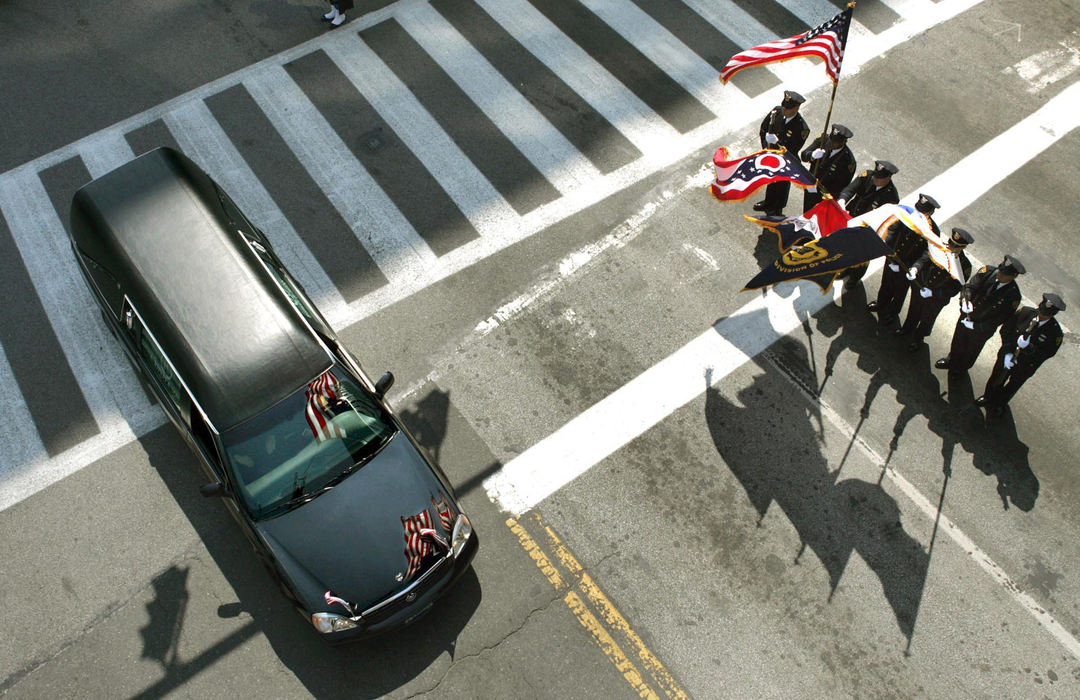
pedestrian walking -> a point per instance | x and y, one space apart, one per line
937 276
336 15
988 300
783 127
908 245
1028 339
831 162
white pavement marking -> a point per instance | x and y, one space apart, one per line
1048 67
477 199
385 233
659 391
106 151
644 128
666 51
545 147
202 138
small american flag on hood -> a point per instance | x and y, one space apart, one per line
320 393
445 513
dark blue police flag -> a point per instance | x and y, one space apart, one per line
823 259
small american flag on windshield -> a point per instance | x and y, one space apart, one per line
322 394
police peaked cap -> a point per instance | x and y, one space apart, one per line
792 99
961 238
926 204
883 168
839 131
1051 304
1012 266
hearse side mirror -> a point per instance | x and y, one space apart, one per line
213 489
384 384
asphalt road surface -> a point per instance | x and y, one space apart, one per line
681 489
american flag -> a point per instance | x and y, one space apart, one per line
738 178
416 547
320 392
826 41
445 513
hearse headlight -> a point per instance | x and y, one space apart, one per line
331 622
462 532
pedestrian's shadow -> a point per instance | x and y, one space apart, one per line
833 516
998 452
361 669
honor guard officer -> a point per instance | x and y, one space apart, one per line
831 162
785 128
1028 339
989 299
933 283
908 246
870 190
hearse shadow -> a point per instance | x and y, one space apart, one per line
362 669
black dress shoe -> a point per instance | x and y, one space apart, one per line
981 401
760 206
943 363
872 306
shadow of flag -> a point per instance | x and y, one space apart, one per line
823 259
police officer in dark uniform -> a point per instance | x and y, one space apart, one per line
831 162
908 246
989 299
1028 339
932 286
870 190
783 127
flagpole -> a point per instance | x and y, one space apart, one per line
832 99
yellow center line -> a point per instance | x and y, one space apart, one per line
599 625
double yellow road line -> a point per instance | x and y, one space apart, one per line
595 612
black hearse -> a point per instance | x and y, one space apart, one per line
360 529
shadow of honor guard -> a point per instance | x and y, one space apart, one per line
937 276
831 162
785 128
1028 339
908 245
989 299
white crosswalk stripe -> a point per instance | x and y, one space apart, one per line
376 217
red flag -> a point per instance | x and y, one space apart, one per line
738 178
828 216
825 41
320 393
416 546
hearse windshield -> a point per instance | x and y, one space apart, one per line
305 444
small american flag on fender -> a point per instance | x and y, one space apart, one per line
416 547
445 513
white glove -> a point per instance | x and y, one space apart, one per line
818 152
772 139
968 323
966 306
842 203
1023 341
911 273
925 293
1010 361
812 188
894 267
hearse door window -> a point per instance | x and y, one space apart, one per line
156 364
285 280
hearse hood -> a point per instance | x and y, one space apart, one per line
351 540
